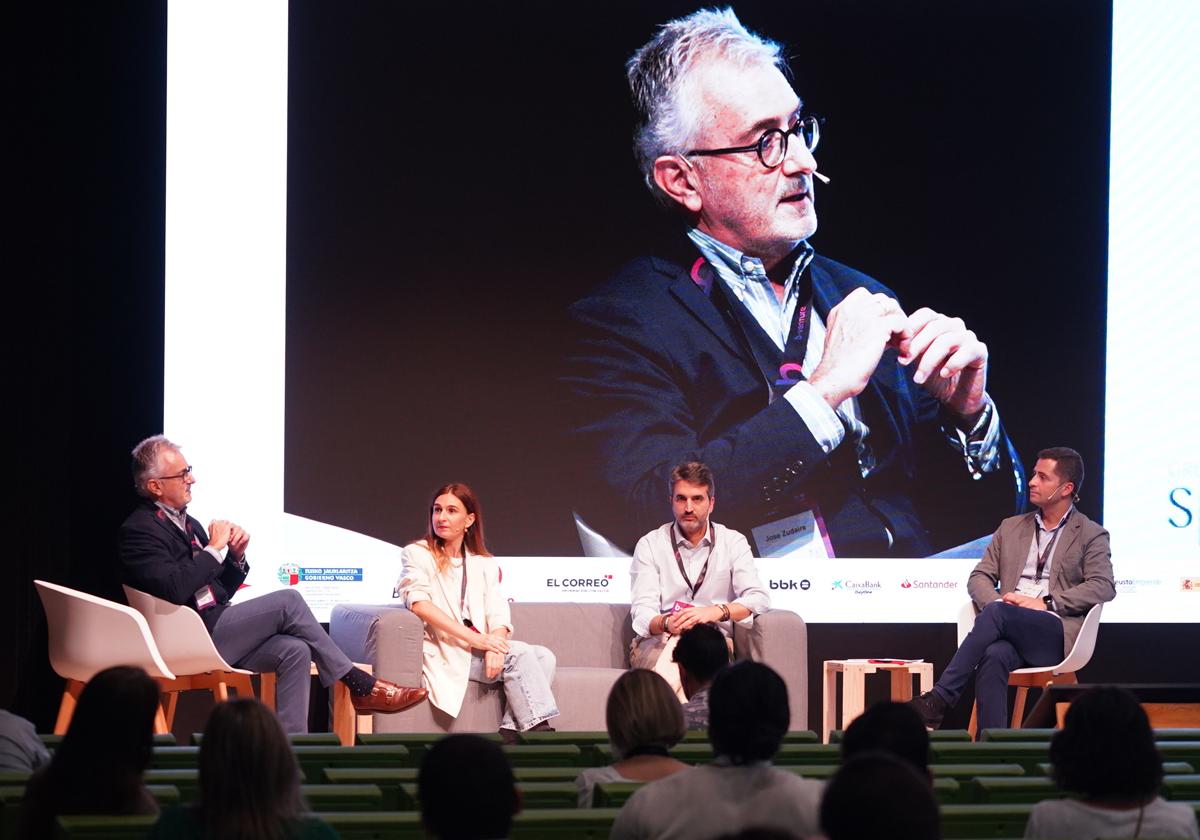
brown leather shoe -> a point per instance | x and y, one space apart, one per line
387 697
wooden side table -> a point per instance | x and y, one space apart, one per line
854 672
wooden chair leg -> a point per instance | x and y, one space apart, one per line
973 726
167 709
343 714
266 689
241 684
66 709
161 727
1018 713
221 691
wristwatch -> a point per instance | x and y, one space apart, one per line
1049 602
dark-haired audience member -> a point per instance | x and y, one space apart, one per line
467 790
878 794
97 769
701 652
644 721
1105 755
249 783
893 728
748 717
20 747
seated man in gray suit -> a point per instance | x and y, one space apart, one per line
1040 575
690 571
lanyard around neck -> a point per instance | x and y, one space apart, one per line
695 587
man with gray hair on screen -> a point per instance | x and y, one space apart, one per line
841 424
166 552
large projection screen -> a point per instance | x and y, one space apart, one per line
244 345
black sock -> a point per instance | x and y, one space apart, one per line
359 682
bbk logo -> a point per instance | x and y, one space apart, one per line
789 584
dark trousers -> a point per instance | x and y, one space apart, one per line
278 633
1005 637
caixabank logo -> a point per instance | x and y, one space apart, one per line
291 574
600 583
926 584
856 587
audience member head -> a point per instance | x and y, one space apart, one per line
700 653
97 769
642 711
467 522
748 712
877 794
111 737
249 779
467 789
894 728
1105 750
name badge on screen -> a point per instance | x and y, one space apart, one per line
205 598
802 534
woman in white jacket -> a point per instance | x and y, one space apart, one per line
452 583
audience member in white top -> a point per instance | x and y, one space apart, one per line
748 717
644 721
1105 755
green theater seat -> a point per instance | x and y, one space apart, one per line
360 797
314 760
1181 787
1026 754
104 827
973 821
551 755
564 824
1005 790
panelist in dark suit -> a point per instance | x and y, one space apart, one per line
1040 575
821 402
168 554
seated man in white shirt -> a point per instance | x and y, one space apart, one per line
690 571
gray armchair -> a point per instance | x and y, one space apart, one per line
591 642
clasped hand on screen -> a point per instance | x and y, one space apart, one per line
951 362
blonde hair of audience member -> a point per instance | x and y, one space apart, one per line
643 712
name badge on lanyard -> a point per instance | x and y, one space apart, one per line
205 598
799 535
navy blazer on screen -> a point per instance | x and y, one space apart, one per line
660 374
157 558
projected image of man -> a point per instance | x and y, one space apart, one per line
823 403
